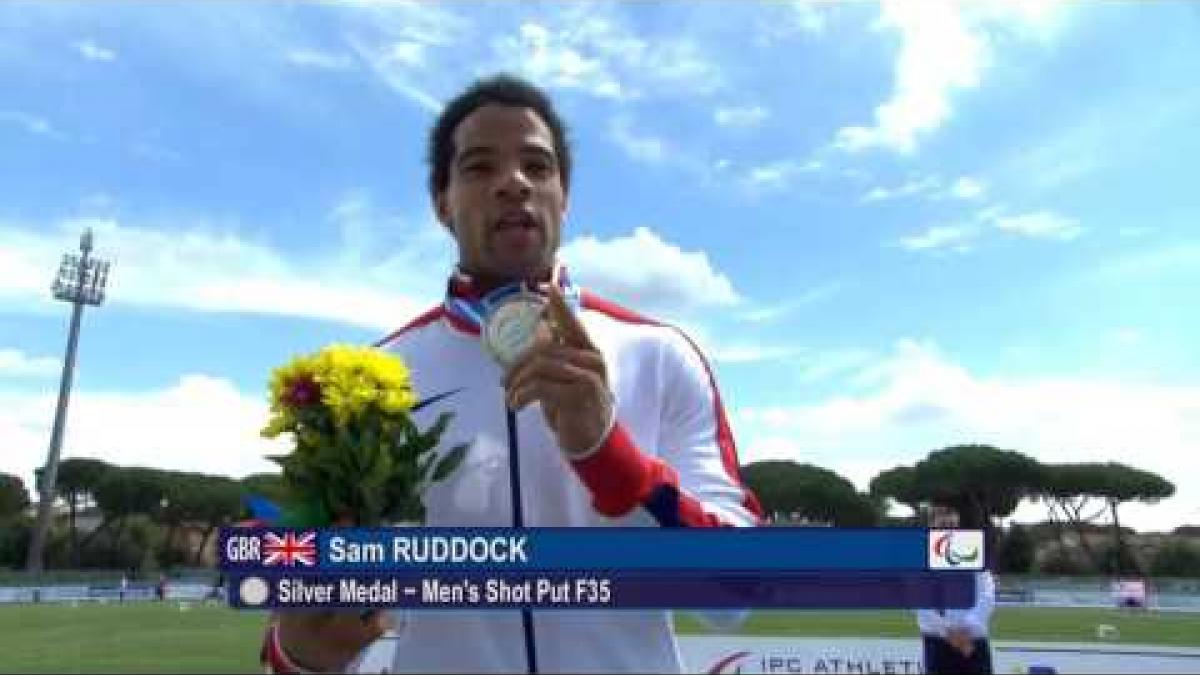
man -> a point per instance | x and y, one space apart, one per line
609 420
956 640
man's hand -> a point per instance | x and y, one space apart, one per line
565 372
328 640
960 639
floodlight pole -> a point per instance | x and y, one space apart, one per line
81 280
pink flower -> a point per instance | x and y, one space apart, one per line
302 391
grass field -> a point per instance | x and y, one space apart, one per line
146 637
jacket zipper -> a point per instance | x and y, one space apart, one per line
518 516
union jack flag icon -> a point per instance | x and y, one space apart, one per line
291 549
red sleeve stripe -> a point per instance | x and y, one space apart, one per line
620 477
725 440
423 320
272 656
672 507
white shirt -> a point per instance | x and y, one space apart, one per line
975 620
676 439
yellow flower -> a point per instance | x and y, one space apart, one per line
356 452
348 382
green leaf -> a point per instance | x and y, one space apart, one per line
424 466
449 462
306 513
439 426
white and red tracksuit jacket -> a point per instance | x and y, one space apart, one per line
670 461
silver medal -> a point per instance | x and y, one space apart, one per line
511 327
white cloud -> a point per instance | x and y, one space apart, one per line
399 75
554 59
39 126
820 366
637 144
741 117
770 313
588 49
751 352
938 54
204 269
200 423
407 52
967 188
16 363
771 176
913 187
916 400
756 178
778 21
1067 155
807 15
664 280
776 175
1180 258
1135 231
91 51
321 60
956 238
415 48
961 238
964 188
1040 225
945 47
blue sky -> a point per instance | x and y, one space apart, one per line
893 226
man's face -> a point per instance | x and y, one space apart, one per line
504 201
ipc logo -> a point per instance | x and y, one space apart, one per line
956 549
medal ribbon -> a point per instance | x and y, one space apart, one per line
466 305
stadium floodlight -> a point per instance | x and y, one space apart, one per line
81 280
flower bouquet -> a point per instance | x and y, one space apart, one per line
358 459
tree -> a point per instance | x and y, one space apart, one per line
1176 558
76 484
980 481
183 502
1081 494
13 496
899 485
14 543
195 499
222 504
1126 484
1118 559
268 485
1015 552
124 492
815 494
1071 494
1063 561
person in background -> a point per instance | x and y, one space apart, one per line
956 640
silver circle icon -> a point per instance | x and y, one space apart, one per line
254 591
